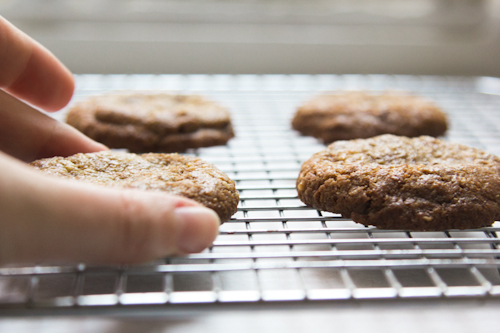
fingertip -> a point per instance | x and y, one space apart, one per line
197 228
152 225
31 72
61 94
95 146
45 81
67 141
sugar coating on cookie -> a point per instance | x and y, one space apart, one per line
395 182
152 122
353 115
173 173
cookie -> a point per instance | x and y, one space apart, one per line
173 173
395 182
152 123
354 115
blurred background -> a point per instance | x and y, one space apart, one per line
433 37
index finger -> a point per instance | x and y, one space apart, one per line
30 72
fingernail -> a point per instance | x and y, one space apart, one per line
197 228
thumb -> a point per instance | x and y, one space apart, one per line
43 218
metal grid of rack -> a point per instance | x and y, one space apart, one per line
275 248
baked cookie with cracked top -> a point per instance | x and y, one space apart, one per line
353 115
152 122
173 173
395 182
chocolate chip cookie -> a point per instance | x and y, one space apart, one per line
353 115
173 173
397 182
152 122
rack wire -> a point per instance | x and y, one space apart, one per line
275 248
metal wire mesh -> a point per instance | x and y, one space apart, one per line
274 248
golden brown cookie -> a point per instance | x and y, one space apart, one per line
152 122
396 182
176 174
352 115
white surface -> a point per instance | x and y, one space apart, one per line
434 37
426 316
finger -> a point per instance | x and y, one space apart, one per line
53 220
30 72
28 134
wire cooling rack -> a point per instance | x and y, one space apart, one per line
274 248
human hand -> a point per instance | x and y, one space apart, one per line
43 218
29 72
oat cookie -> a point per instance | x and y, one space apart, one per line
353 115
152 122
176 174
396 182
